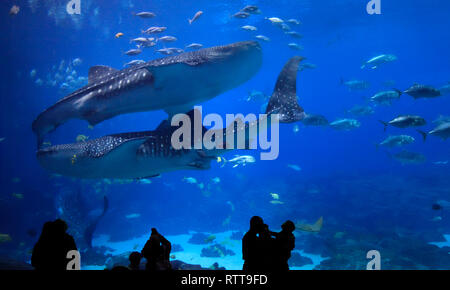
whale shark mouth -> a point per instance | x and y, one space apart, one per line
149 153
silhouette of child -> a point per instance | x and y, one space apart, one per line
284 244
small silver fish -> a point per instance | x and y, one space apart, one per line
196 16
194 46
146 14
135 51
167 39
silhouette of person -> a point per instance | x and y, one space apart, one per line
50 251
284 244
251 246
267 248
135 260
157 252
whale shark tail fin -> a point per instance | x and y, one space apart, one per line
284 97
89 231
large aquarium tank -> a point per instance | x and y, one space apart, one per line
345 140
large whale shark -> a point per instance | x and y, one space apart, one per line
149 153
173 83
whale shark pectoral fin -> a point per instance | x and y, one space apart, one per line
126 150
284 98
98 71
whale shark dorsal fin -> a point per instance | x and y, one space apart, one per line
284 97
98 71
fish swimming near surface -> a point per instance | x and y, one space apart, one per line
148 153
252 9
167 39
134 51
295 46
173 83
405 121
263 38
275 20
442 131
194 46
376 61
145 14
249 28
154 30
196 16
422 91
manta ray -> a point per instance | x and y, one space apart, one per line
149 153
174 84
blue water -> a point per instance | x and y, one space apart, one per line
359 190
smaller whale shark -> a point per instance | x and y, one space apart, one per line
150 153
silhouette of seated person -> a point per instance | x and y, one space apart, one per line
135 261
284 244
50 252
157 252
251 245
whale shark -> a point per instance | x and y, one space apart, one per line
146 154
173 84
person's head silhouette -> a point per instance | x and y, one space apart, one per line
288 226
135 260
256 224
59 226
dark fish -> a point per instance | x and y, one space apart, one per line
422 91
436 206
405 122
